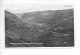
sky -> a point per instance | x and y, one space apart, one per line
22 6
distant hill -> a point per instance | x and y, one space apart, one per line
19 14
47 18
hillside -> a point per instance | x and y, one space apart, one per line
47 18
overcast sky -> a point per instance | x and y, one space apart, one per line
21 6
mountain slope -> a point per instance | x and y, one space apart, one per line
47 18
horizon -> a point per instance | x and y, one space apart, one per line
36 10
